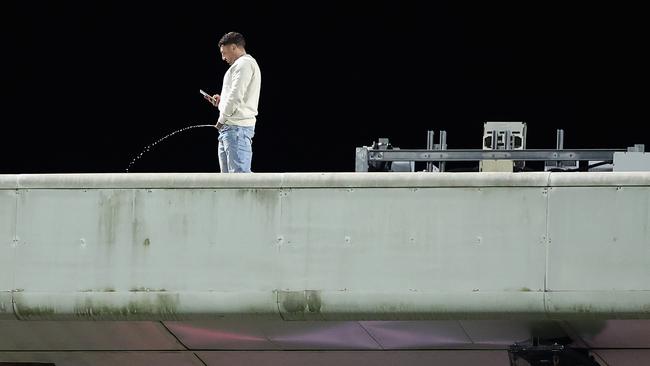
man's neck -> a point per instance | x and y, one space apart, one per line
240 55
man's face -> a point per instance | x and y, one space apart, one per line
228 53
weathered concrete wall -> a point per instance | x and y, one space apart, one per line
325 246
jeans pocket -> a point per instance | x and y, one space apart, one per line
243 141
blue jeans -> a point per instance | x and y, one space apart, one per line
236 149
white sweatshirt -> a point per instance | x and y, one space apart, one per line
240 92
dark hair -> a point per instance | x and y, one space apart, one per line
232 38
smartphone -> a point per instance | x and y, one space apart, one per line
205 94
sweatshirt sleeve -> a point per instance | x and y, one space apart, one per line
241 76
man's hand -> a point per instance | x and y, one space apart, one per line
214 100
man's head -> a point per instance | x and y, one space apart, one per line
232 46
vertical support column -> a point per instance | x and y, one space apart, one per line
430 135
361 162
443 146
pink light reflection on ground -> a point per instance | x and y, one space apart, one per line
341 335
405 334
195 334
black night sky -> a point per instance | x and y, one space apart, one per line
87 85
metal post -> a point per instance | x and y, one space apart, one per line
361 162
443 146
430 135
559 142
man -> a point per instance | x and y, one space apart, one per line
237 103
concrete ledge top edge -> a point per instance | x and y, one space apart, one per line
321 180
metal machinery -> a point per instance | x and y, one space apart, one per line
504 149
553 353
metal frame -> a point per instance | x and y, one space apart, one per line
365 155
558 158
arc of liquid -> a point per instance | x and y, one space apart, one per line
150 146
